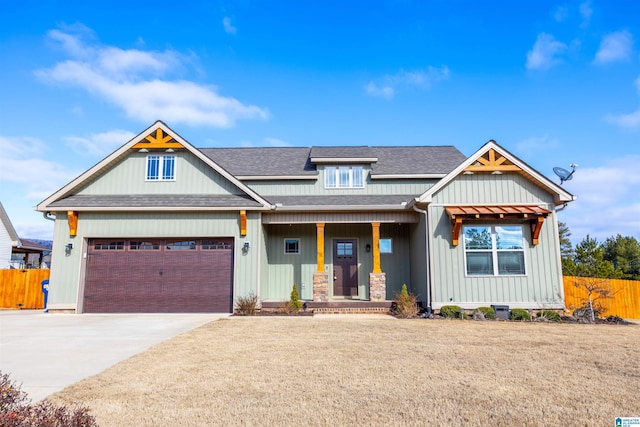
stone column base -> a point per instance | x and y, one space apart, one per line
377 286
320 287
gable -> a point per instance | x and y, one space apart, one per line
119 174
494 166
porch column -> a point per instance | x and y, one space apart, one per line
320 277
377 279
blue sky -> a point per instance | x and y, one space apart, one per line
554 82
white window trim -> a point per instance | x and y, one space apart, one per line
494 251
284 245
336 171
160 168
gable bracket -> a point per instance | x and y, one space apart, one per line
490 163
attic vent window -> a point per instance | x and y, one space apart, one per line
161 168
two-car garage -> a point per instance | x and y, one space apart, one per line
159 275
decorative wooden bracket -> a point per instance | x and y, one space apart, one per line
456 225
158 139
536 227
243 223
72 217
488 162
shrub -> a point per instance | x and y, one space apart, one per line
487 311
247 305
549 315
519 314
405 304
15 410
294 304
451 311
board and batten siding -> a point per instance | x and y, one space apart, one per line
67 278
541 286
193 176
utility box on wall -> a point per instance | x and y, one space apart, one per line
502 311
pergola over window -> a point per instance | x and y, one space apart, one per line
532 213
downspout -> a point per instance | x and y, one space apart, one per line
428 258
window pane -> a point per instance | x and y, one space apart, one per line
477 238
153 167
385 246
181 246
509 237
479 263
344 176
168 167
511 262
356 172
330 177
291 246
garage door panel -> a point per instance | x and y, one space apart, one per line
162 275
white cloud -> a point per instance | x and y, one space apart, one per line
631 120
585 13
615 47
228 27
24 165
545 52
99 144
387 86
133 81
607 202
560 13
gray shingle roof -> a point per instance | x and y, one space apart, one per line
416 160
266 161
156 201
296 161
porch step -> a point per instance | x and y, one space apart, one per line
337 307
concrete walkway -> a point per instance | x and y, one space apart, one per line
48 352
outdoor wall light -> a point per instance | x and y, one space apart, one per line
245 248
68 247
367 248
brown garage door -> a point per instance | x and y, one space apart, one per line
159 276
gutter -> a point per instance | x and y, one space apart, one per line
46 216
428 263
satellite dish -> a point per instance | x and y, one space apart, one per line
564 174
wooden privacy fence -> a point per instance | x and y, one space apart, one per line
624 303
22 288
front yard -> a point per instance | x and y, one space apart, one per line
372 371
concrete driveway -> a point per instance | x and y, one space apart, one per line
47 352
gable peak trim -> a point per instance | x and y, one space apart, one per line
158 138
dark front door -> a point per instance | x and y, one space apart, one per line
345 268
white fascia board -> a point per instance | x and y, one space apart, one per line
43 206
409 176
399 207
277 177
157 209
346 160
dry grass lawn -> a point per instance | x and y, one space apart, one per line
364 371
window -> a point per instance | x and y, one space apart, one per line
291 246
144 246
184 245
161 168
494 250
109 246
343 177
210 245
386 246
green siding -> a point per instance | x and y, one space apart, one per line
396 265
542 285
418 259
193 176
66 276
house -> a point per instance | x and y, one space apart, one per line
16 252
162 226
